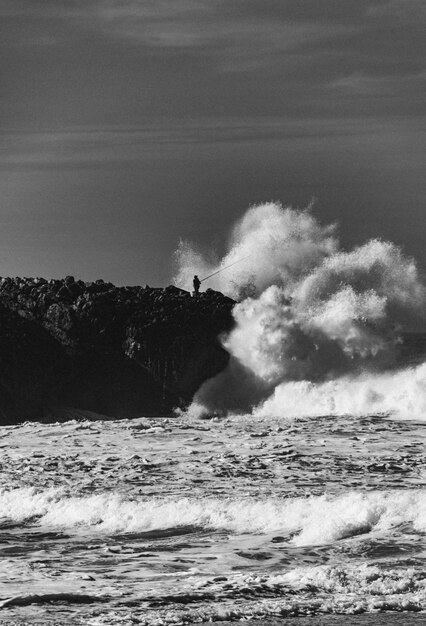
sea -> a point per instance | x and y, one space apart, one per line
315 520
293 489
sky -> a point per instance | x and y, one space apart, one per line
127 125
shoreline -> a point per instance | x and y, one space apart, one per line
385 618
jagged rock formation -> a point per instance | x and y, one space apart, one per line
117 351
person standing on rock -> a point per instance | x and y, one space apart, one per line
196 282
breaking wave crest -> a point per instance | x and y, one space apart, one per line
302 521
317 327
401 394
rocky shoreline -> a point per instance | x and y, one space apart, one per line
115 351
70 348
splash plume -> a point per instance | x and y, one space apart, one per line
316 313
280 244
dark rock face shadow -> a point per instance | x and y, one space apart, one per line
32 366
114 351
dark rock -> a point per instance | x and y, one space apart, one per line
33 367
64 293
116 351
171 289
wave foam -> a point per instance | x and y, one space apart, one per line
304 521
315 313
401 394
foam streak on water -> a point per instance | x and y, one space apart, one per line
170 520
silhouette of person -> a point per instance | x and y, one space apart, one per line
196 282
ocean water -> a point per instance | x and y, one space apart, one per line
168 521
303 499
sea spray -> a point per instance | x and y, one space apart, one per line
278 246
317 314
399 393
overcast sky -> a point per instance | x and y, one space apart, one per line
128 124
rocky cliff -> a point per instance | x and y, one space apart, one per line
116 351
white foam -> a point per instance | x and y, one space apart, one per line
363 580
304 521
317 314
401 394
278 245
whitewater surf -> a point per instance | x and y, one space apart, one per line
168 521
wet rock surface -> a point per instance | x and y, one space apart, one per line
115 351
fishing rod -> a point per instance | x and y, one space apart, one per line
224 268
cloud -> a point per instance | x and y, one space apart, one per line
229 33
27 23
405 10
328 40
46 9
97 145
234 35
359 84
319 50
